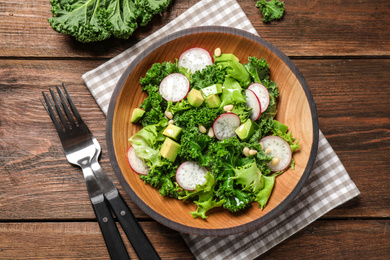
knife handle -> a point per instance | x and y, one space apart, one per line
138 239
116 247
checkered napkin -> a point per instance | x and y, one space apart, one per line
328 186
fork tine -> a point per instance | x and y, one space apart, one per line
57 107
65 106
49 110
72 106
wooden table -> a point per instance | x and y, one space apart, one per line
341 47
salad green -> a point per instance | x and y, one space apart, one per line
97 20
234 179
271 10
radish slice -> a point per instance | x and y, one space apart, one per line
195 59
190 174
278 148
252 101
174 87
262 94
225 125
136 163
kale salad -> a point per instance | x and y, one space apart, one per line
209 134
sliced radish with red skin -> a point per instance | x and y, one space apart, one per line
262 94
195 59
136 163
225 125
252 101
174 87
190 174
277 147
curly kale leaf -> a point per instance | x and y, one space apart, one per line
271 10
210 75
154 105
120 18
175 107
97 20
79 19
198 116
157 73
193 143
238 201
151 8
163 178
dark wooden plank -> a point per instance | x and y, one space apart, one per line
308 28
38 183
352 99
327 28
79 240
336 239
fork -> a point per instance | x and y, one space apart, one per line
82 149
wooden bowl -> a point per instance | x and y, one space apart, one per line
296 108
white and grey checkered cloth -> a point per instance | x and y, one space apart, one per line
328 186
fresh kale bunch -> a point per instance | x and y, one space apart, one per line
97 20
272 10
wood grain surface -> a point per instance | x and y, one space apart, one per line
342 48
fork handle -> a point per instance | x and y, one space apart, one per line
116 247
138 239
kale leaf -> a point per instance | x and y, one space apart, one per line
210 75
272 10
158 72
97 20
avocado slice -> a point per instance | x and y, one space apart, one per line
170 149
195 98
245 131
279 126
137 115
226 57
172 131
213 101
211 90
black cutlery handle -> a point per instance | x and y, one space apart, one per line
116 247
138 239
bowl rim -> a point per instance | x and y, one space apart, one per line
202 231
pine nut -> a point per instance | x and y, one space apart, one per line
217 52
211 132
228 108
245 151
171 122
202 129
275 161
252 152
262 145
268 150
168 114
